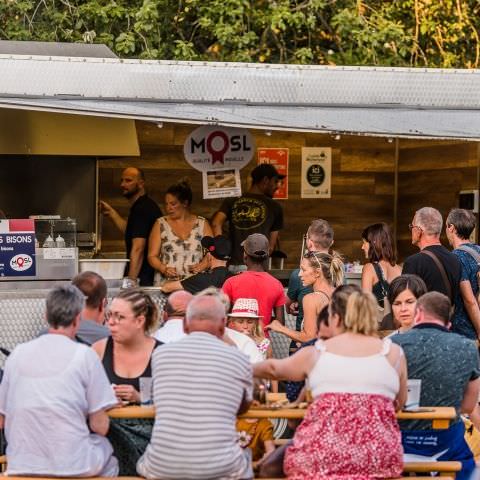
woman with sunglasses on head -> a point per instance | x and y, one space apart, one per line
126 357
381 268
357 381
323 272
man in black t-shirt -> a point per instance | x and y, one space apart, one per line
142 216
426 228
218 250
253 212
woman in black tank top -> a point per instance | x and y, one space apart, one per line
127 353
126 357
323 272
381 267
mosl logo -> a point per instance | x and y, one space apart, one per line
21 262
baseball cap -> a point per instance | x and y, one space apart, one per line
256 245
219 246
265 170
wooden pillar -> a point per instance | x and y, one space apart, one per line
395 194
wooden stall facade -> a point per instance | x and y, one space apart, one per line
363 182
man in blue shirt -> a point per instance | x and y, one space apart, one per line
447 365
459 226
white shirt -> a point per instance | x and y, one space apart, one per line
49 388
170 331
245 344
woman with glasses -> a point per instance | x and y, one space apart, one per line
381 268
126 357
323 272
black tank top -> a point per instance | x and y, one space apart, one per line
110 369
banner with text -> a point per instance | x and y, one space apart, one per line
17 248
316 172
278 157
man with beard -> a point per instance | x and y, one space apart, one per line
253 212
136 228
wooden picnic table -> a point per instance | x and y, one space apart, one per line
439 416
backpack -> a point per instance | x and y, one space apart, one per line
473 253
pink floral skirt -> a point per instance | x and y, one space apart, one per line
346 436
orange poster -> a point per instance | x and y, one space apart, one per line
278 157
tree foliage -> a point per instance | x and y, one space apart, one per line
433 33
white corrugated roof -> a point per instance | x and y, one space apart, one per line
366 100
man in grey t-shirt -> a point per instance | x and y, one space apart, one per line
447 365
92 327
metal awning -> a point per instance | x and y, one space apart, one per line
428 103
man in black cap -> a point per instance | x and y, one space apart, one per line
218 250
253 212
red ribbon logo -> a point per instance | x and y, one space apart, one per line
217 155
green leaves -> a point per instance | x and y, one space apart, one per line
374 32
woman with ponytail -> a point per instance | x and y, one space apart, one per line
174 247
323 272
357 381
126 357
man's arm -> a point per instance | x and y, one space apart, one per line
471 304
136 256
99 422
279 314
172 286
470 397
272 241
217 223
114 216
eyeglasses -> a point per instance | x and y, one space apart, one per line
411 226
115 317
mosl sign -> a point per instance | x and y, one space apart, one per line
218 148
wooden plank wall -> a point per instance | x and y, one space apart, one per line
432 174
362 183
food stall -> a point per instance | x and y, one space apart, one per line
393 139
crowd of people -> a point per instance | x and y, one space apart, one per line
204 358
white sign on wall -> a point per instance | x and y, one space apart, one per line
316 172
211 148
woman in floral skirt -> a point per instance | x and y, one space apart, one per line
357 381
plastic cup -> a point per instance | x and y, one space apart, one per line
414 388
145 390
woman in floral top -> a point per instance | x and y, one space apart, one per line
174 248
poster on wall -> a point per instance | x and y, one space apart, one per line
221 184
316 172
17 248
278 157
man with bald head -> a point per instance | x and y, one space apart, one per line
201 384
136 228
173 316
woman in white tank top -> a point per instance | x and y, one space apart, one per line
357 380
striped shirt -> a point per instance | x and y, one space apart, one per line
198 385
